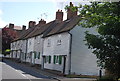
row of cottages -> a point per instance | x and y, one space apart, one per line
57 45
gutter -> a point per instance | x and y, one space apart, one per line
70 47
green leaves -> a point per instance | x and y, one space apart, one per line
106 45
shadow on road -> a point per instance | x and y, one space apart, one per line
26 70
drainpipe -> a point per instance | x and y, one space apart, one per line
42 65
70 52
26 50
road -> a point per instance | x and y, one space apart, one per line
10 71
13 72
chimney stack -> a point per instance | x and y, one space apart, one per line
23 27
41 22
59 15
70 12
11 26
32 24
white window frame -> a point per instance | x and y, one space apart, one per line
59 42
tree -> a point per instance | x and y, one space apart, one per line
106 46
7 36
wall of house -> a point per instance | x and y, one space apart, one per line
38 44
18 48
53 47
30 48
23 48
14 48
83 61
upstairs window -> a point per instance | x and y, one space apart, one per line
49 43
29 42
38 40
59 42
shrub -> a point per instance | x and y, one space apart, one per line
106 79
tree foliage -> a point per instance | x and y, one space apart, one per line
106 45
7 36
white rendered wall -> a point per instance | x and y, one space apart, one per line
55 49
38 45
83 61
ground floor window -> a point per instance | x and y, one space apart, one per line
47 59
57 59
38 55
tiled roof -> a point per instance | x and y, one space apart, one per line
24 33
42 29
51 28
64 26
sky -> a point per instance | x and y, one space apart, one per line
20 12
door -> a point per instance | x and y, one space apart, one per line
64 63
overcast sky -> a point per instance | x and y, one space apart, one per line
20 12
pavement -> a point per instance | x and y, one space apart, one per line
37 72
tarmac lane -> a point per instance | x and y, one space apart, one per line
14 73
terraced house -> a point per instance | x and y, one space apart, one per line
58 45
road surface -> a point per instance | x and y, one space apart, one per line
13 72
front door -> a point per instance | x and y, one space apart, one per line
64 63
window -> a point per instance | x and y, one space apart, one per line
47 59
59 42
35 55
38 55
49 43
57 59
35 37
38 40
12 46
29 42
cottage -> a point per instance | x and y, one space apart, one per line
64 48
58 45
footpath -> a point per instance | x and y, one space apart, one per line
48 74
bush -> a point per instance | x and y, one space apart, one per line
106 79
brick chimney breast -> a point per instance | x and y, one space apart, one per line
32 24
59 15
71 13
11 26
23 27
41 22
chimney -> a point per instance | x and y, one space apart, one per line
11 26
41 22
23 27
32 24
70 12
59 15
